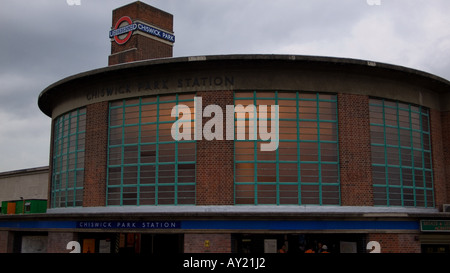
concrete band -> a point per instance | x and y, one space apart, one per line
246 72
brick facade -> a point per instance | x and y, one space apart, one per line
215 171
207 243
140 47
396 243
438 152
445 148
214 168
96 155
215 159
6 241
57 241
354 150
50 167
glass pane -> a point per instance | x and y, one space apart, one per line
310 195
148 158
244 194
401 167
267 194
304 144
289 195
68 159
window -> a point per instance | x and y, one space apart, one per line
146 166
27 207
304 170
68 159
401 154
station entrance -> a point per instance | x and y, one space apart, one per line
131 243
299 243
149 243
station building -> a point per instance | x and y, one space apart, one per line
361 163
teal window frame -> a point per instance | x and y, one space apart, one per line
312 192
68 159
402 170
125 191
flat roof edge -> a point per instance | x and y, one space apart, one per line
27 171
364 211
324 60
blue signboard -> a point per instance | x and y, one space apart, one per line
144 28
217 225
129 224
122 30
156 32
301 225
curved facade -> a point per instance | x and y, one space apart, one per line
244 154
239 153
351 133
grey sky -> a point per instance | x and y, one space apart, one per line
43 41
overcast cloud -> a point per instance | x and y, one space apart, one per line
43 41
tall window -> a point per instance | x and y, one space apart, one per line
401 154
146 166
304 170
68 159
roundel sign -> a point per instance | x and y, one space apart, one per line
123 30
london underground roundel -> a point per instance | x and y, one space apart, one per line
123 30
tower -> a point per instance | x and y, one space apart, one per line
140 32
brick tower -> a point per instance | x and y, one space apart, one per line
140 32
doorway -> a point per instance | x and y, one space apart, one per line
161 243
298 243
131 243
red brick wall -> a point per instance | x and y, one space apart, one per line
445 148
50 168
6 241
207 243
140 47
152 49
146 13
57 241
96 155
125 56
148 49
215 159
437 146
354 150
396 243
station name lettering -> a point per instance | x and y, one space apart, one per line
161 84
128 224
